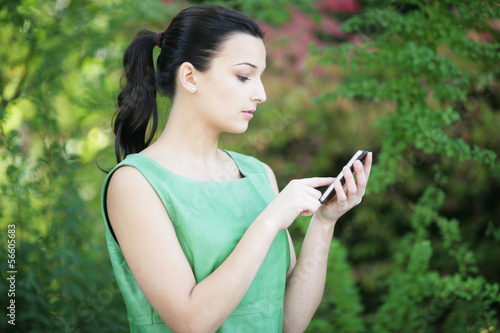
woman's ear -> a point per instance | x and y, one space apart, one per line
186 75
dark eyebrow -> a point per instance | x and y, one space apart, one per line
246 63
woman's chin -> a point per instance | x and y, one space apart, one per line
237 130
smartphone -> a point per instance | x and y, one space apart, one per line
329 195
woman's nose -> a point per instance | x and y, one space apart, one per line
260 93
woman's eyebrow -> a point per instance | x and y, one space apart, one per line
246 63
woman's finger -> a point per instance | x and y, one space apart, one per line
309 205
339 190
352 189
368 164
317 181
314 193
360 178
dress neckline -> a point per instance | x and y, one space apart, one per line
245 176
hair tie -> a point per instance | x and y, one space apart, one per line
158 38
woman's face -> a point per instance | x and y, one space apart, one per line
229 91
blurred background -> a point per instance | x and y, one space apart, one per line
416 82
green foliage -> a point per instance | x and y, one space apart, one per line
269 11
415 59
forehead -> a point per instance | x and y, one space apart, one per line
241 48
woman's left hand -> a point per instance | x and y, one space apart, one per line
353 193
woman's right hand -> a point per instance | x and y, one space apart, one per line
299 197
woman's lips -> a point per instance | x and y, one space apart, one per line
248 113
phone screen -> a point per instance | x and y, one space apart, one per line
329 195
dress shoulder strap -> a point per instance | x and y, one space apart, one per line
149 169
152 171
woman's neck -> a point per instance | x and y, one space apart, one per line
186 133
189 147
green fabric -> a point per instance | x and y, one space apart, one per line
209 219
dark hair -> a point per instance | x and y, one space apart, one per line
195 35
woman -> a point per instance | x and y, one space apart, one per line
198 236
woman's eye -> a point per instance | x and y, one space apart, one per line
243 78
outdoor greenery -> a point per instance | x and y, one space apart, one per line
416 82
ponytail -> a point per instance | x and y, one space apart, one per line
137 99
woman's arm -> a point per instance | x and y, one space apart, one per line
144 230
304 289
274 186
306 283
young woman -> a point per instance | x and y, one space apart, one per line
197 236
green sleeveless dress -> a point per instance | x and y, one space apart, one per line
209 219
